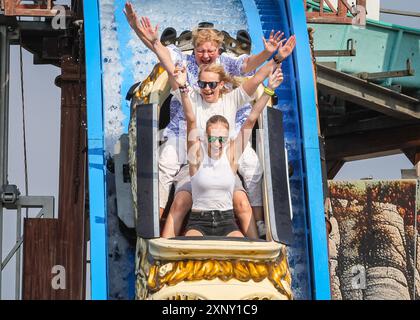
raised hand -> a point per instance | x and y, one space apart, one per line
149 32
276 78
180 75
274 41
286 49
142 27
131 16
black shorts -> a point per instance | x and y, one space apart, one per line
212 223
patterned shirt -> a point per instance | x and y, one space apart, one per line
233 65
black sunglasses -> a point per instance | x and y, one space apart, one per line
212 84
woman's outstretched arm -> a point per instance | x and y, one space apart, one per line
149 35
251 84
240 142
284 48
136 25
271 45
193 141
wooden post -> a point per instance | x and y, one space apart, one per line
39 259
62 242
71 205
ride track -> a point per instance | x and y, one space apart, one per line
308 256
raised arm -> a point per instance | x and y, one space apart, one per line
180 78
286 50
251 84
193 142
136 25
271 45
149 35
275 79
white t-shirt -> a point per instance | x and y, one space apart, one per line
226 106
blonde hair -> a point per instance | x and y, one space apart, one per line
200 36
217 119
223 76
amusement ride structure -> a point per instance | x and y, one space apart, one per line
351 92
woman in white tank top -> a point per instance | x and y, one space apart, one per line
213 163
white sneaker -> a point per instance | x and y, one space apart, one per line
261 229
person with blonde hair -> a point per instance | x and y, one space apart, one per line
213 154
207 50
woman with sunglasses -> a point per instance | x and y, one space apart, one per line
207 44
213 161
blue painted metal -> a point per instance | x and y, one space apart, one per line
271 17
96 160
255 29
309 252
394 55
312 165
300 135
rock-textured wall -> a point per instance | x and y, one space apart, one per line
374 243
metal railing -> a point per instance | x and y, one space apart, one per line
342 13
11 200
9 194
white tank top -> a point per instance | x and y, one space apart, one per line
213 184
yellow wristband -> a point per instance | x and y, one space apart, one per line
269 91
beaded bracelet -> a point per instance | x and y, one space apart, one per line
276 60
183 89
